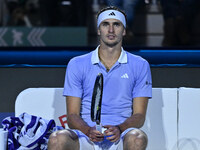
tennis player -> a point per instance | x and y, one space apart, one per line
127 88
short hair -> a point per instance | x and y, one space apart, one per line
111 8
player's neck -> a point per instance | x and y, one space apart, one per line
108 56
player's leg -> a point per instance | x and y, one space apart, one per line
63 140
135 140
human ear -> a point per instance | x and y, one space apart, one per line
124 32
98 31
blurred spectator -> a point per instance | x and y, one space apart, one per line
45 13
178 18
17 13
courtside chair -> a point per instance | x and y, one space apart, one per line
160 124
48 103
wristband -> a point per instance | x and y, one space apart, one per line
119 128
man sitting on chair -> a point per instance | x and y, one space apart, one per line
127 88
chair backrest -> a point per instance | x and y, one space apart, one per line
47 103
189 120
161 119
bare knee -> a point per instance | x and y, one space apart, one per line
52 139
62 139
135 140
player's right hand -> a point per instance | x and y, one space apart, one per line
94 135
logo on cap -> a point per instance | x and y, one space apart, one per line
112 14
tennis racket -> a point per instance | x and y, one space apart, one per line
96 101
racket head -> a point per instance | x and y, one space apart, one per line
97 99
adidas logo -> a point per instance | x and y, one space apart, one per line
125 76
112 14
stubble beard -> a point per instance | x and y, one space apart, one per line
111 44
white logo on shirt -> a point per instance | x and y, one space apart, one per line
125 76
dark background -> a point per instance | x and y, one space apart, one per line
15 80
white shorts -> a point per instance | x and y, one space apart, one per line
86 144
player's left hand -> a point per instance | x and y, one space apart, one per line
112 132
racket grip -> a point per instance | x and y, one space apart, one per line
99 127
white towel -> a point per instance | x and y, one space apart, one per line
28 132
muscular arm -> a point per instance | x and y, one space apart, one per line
76 122
73 114
138 117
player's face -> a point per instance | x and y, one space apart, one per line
111 32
